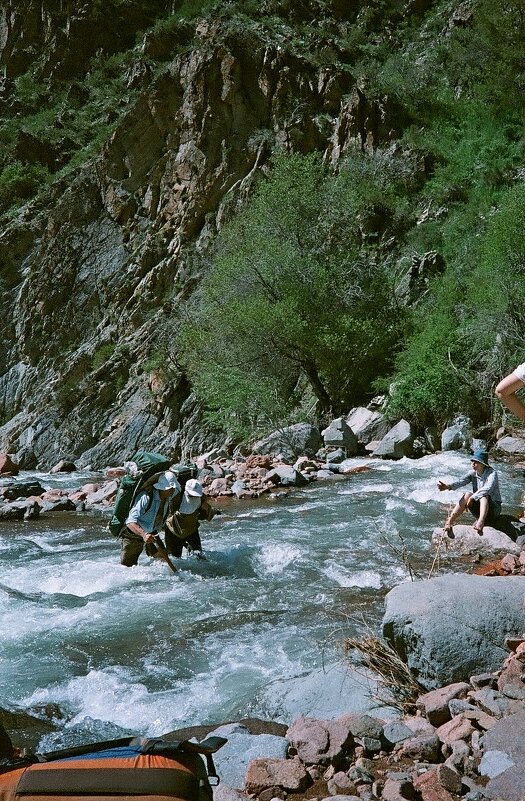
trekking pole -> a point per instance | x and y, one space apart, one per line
163 554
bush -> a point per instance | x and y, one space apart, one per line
19 182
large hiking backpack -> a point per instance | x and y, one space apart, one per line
143 470
130 768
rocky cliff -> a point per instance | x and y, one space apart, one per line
94 271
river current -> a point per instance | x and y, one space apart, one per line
256 630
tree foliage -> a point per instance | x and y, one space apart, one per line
295 296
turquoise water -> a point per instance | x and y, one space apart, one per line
144 651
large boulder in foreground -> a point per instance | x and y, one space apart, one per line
451 627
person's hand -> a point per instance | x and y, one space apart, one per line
442 486
149 537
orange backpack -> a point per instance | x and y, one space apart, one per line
133 768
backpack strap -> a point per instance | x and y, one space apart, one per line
206 748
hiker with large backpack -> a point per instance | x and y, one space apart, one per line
146 518
141 504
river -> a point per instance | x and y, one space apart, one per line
256 630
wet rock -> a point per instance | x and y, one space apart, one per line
21 489
8 467
64 466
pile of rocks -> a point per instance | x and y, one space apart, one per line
465 740
243 479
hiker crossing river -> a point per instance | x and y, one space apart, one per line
255 630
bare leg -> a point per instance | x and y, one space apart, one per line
483 509
506 392
457 511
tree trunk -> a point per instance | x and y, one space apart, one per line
325 401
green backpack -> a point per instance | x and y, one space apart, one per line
147 468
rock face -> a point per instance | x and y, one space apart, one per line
94 271
452 626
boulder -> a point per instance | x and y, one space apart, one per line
467 541
504 747
21 489
339 434
367 424
64 466
290 774
285 476
457 436
511 445
8 467
319 742
450 627
291 442
242 747
397 442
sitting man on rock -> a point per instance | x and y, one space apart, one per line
484 502
182 525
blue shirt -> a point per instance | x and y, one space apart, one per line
144 516
483 485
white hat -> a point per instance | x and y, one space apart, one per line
193 487
167 480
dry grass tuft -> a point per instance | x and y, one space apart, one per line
396 686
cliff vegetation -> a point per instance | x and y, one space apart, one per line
219 217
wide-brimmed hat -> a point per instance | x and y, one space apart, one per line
167 480
480 456
193 487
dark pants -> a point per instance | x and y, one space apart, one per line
131 546
493 512
174 545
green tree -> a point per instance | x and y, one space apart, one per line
497 293
295 295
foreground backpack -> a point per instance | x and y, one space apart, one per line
143 471
130 768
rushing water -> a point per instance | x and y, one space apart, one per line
143 651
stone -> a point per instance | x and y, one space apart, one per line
290 774
425 748
430 788
434 704
286 476
319 741
507 737
341 784
397 442
64 466
511 445
396 732
340 435
459 622
397 790
8 467
456 729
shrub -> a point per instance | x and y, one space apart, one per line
19 182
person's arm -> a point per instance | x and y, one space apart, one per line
135 513
506 392
455 484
